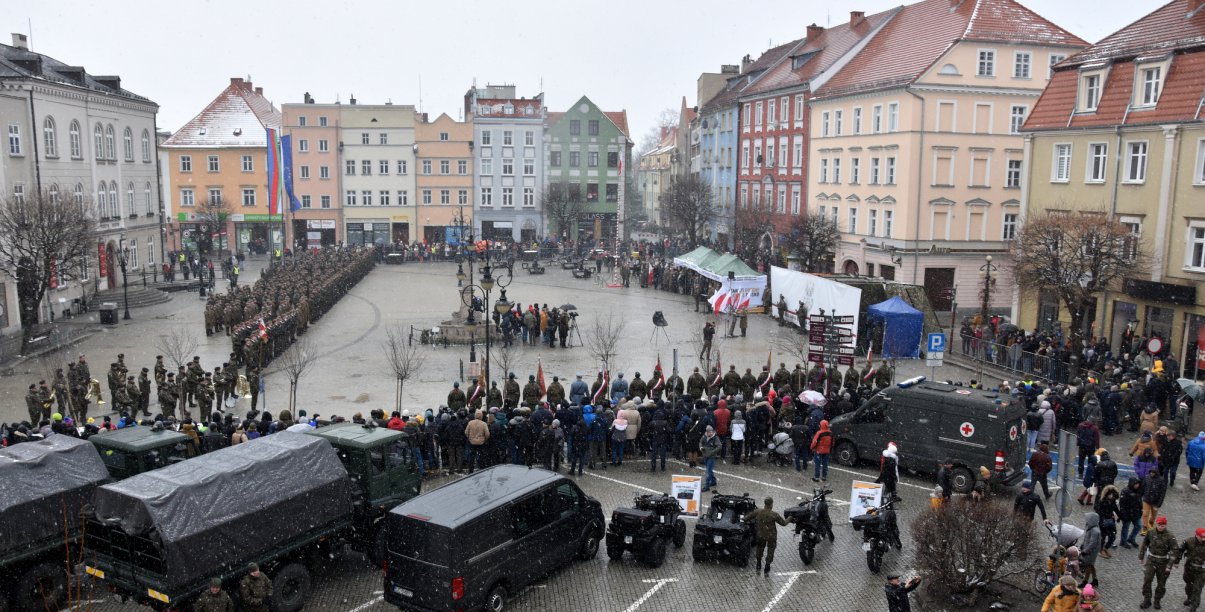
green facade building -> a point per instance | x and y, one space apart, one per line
589 152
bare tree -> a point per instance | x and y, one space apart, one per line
687 207
563 205
602 338
213 214
667 118
715 355
402 358
507 357
295 362
965 546
813 239
177 345
1076 256
44 243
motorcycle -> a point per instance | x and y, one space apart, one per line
879 532
812 524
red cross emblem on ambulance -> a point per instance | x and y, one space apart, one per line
966 429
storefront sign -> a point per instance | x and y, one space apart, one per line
255 218
320 224
688 490
1166 293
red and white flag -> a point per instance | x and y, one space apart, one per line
263 330
719 369
540 378
659 374
769 372
869 363
602 389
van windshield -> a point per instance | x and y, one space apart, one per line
417 539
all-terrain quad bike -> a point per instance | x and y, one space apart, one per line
721 532
646 528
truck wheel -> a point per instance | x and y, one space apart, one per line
963 480
741 555
42 587
654 555
679 533
874 559
846 454
290 588
614 549
698 552
807 550
496 600
588 549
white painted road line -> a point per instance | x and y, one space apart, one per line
368 604
786 587
763 483
626 484
660 582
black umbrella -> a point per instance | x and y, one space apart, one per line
568 307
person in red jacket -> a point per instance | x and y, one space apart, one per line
822 445
722 416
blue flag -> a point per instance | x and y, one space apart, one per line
286 146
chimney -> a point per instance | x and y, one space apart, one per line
236 80
730 69
745 63
856 17
308 98
814 31
353 99
20 41
259 91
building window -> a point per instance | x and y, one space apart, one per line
987 63
1195 249
1012 177
823 171
591 192
529 167
838 119
188 197
1016 118
1098 157
321 121
110 148
383 138
757 116
1090 90
857 120
1061 170
853 221
887 219
795 198
324 172
1009 231
797 154
49 140
1022 61
133 251
890 171
575 127
1151 85
323 145
383 167
529 197
575 159
529 138
462 167
305 201
366 196
146 146
508 138
745 116
798 111
1199 175
874 223
185 163
855 170
98 137
613 159
127 144
874 171
1133 227
771 114
248 165
612 192
301 121
445 166
893 117
349 198
14 139
486 138
215 197
213 163
366 167
592 127
1054 59
592 159
508 197
486 166
554 159
248 196
508 167
130 198
77 148
1136 164
782 199
824 123
363 138
837 170
349 167
402 166
876 119
487 196
426 166
324 201
303 146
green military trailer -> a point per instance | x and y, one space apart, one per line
283 501
44 487
134 450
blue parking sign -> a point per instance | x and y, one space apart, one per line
937 343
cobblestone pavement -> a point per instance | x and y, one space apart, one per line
351 377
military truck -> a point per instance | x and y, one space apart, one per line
134 450
44 485
283 501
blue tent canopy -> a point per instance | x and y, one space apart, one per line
902 328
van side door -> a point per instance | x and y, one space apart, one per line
530 545
566 520
873 427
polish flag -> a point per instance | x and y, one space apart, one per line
263 330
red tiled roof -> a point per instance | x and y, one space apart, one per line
920 33
1163 30
1179 100
554 118
236 118
737 84
493 107
827 48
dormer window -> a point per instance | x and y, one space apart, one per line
1090 92
1150 85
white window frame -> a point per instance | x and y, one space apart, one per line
824 171
757 116
888 222
771 114
889 170
76 140
1016 120
487 197
185 163
876 119
857 119
852 228
855 170
838 120
1089 95
1198 177
303 145
1022 65
14 140
798 111
1146 90
1132 155
1060 172
893 116
873 224
984 156
1009 182
1194 236
248 164
1008 226
985 63
1053 59
836 170
1097 152
824 124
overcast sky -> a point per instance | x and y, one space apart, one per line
642 56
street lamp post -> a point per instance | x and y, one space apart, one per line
988 273
122 258
482 289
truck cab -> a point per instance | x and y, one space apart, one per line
134 450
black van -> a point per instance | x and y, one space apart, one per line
932 421
471 543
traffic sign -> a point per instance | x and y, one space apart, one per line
937 343
934 360
844 320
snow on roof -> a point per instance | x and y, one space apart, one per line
238 117
17 63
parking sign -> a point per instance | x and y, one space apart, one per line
937 343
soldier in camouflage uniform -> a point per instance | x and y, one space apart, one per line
556 392
456 398
168 396
1192 553
531 391
204 394
1156 555
510 396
